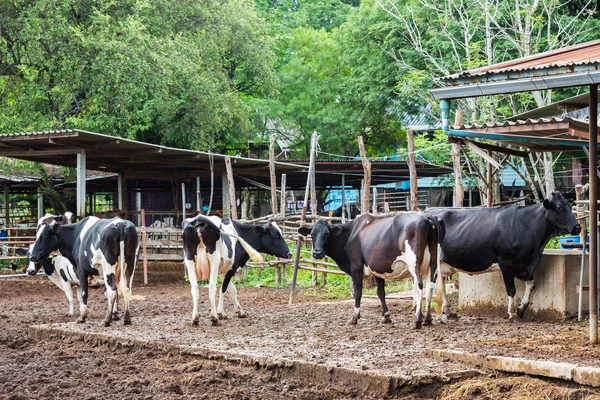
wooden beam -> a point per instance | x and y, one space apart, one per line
483 154
459 193
486 146
81 195
39 153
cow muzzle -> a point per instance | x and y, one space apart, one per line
318 254
576 230
289 254
31 271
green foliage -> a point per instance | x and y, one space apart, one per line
162 72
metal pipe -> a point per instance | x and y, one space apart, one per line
593 265
581 275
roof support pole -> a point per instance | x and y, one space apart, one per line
81 183
343 198
225 194
120 192
445 106
40 204
459 193
490 182
6 208
198 196
593 214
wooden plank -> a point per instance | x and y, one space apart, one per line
412 168
367 173
39 153
165 257
482 154
231 185
273 177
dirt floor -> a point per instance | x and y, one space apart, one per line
312 330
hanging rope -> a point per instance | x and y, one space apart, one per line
212 181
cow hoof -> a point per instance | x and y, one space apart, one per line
106 323
427 321
352 321
512 317
215 321
222 316
451 315
386 319
115 317
444 319
418 324
126 322
80 320
520 312
195 321
241 314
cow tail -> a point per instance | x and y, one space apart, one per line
122 285
254 255
437 242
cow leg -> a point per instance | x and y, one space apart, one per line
189 264
238 307
224 289
509 282
66 287
214 261
79 298
83 287
529 286
357 279
413 263
115 314
111 292
386 319
428 296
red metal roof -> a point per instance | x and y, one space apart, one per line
583 54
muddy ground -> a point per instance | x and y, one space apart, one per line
312 330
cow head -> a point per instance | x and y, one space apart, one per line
46 241
560 216
320 234
32 268
272 240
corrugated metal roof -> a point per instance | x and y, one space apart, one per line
580 55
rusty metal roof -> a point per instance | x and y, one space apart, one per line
583 54
577 65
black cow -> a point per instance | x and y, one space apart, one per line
213 247
393 248
92 244
509 237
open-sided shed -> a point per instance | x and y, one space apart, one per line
573 66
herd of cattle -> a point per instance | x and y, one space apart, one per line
424 247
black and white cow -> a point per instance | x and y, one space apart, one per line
394 248
62 273
94 246
511 238
218 247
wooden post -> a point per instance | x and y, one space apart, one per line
144 254
121 188
273 176
367 171
374 211
313 145
489 182
231 184
6 208
283 202
245 203
40 204
412 168
593 266
459 192
212 181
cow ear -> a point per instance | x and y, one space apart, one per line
56 227
304 230
21 251
336 230
547 204
261 230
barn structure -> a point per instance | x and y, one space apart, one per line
573 66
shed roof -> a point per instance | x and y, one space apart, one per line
575 65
